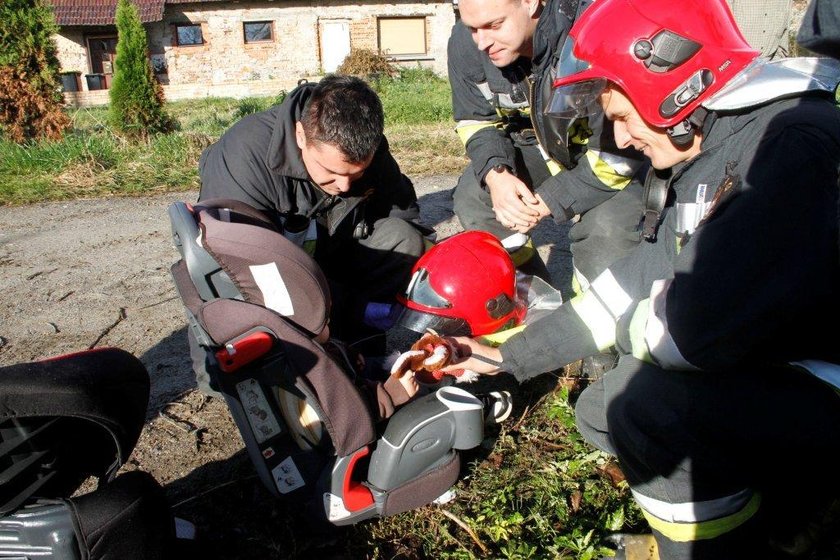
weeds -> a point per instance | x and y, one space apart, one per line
539 492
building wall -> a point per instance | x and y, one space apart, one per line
225 66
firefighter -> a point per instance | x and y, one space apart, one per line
523 167
725 389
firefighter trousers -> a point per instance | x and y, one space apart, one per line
717 461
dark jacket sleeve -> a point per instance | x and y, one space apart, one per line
475 118
582 188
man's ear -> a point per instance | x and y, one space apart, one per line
300 135
534 7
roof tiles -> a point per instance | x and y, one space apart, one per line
101 12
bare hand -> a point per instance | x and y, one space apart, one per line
541 207
468 356
513 202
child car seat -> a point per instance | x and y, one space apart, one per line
61 421
255 302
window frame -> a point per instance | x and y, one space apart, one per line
414 55
270 23
177 38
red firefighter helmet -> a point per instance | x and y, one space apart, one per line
667 57
463 286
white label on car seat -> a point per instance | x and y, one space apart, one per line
263 423
334 506
287 476
275 294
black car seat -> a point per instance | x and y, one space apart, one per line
62 421
255 302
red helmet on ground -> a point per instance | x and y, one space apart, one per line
667 57
463 286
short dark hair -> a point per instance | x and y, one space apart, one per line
344 112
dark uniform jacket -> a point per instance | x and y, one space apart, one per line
257 161
744 270
495 108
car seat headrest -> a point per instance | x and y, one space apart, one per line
267 269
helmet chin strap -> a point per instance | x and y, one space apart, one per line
682 134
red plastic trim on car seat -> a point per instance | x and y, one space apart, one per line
244 351
356 495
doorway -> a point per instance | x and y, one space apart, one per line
335 44
103 53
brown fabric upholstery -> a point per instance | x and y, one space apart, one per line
260 262
424 488
347 417
239 245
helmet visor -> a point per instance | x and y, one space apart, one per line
577 100
419 321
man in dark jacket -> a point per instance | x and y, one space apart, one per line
725 390
319 165
524 166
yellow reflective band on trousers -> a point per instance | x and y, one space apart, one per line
597 318
638 324
466 129
703 530
605 172
524 253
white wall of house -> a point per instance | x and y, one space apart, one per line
224 65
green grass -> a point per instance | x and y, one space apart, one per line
93 161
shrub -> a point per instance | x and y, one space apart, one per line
366 64
30 96
136 96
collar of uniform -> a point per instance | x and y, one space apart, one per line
284 156
552 28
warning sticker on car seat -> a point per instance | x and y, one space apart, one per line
263 423
287 476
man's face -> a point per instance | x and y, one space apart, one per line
631 130
327 166
504 29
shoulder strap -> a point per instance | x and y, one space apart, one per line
656 194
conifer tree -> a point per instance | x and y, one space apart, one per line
30 94
136 96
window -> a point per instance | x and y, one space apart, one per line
402 36
258 31
188 34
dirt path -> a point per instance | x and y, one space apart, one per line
95 273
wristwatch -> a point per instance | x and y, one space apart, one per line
501 168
